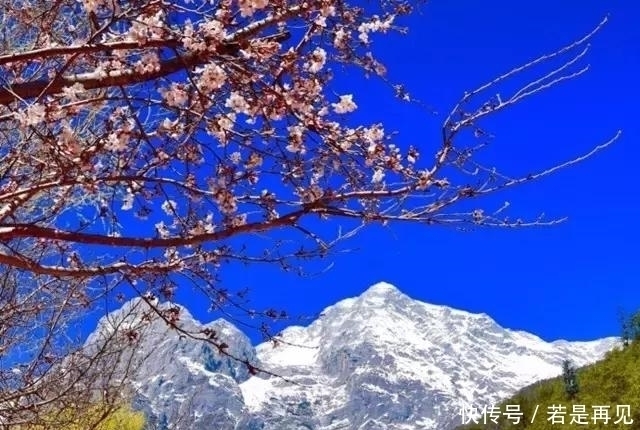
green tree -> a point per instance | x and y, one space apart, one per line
570 379
625 326
630 328
634 324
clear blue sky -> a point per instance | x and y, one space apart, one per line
566 281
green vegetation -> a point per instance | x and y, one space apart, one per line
609 388
99 417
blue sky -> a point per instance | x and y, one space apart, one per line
567 281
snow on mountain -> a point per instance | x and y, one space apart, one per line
380 361
182 383
384 360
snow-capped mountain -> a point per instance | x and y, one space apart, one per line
181 382
380 361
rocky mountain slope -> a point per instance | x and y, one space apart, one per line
380 361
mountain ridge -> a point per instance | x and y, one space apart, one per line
381 360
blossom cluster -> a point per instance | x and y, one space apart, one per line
226 114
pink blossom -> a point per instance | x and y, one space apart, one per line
34 114
237 103
317 61
212 77
175 96
345 105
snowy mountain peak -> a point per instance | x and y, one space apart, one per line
380 361
383 360
382 289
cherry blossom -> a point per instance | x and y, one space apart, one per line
345 105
